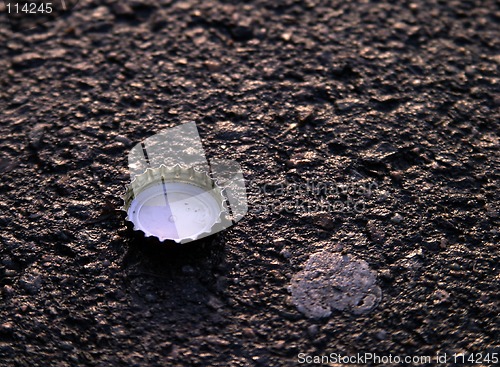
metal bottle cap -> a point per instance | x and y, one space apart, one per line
175 204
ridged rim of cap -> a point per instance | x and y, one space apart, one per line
179 174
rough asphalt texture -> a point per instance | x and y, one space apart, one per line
398 94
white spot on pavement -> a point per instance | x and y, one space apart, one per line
331 281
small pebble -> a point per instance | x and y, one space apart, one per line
397 218
213 66
248 332
124 140
280 344
8 290
441 296
31 283
324 221
396 175
381 335
312 330
286 253
7 327
279 241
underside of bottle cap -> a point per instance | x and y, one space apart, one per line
175 204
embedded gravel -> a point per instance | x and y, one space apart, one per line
365 128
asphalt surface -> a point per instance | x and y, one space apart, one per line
396 102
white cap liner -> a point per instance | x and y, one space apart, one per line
175 204
174 211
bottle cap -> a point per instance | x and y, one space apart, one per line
175 204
